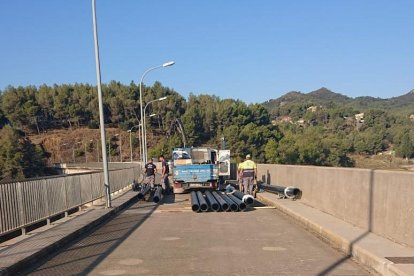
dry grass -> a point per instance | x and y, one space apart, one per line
383 162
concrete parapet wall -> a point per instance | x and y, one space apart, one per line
379 201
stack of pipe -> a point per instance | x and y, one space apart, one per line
289 192
217 201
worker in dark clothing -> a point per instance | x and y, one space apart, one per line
164 175
150 170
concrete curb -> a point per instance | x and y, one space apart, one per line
367 248
36 248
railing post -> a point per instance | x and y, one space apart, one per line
66 195
91 177
22 212
46 197
80 191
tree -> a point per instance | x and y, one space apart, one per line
271 151
406 147
370 141
192 122
309 146
19 158
3 119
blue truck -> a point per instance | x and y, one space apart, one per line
198 168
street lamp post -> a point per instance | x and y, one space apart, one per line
97 149
130 139
145 126
73 151
86 157
170 63
120 147
60 149
109 145
130 142
109 150
101 113
145 131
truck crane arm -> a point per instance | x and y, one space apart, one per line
178 126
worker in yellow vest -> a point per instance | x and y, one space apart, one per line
248 171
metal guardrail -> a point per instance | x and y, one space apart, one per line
27 202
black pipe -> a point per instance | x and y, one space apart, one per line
157 195
202 201
213 202
223 204
195 205
233 205
143 192
240 203
289 192
248 199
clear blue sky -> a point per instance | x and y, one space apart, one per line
243 49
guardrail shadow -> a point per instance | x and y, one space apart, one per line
350 248
82 255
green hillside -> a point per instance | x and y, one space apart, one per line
321 128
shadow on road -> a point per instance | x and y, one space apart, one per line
85 253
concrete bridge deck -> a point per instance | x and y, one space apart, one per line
169 239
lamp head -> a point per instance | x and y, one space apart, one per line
170 63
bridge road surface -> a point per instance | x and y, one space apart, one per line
170 239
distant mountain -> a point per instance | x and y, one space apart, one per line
404 99
289 97
317 97
325 96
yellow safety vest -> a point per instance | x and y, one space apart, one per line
247 168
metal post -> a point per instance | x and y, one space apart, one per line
109 150
120 147
130 143
101 113
130 139
139 140
97 150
